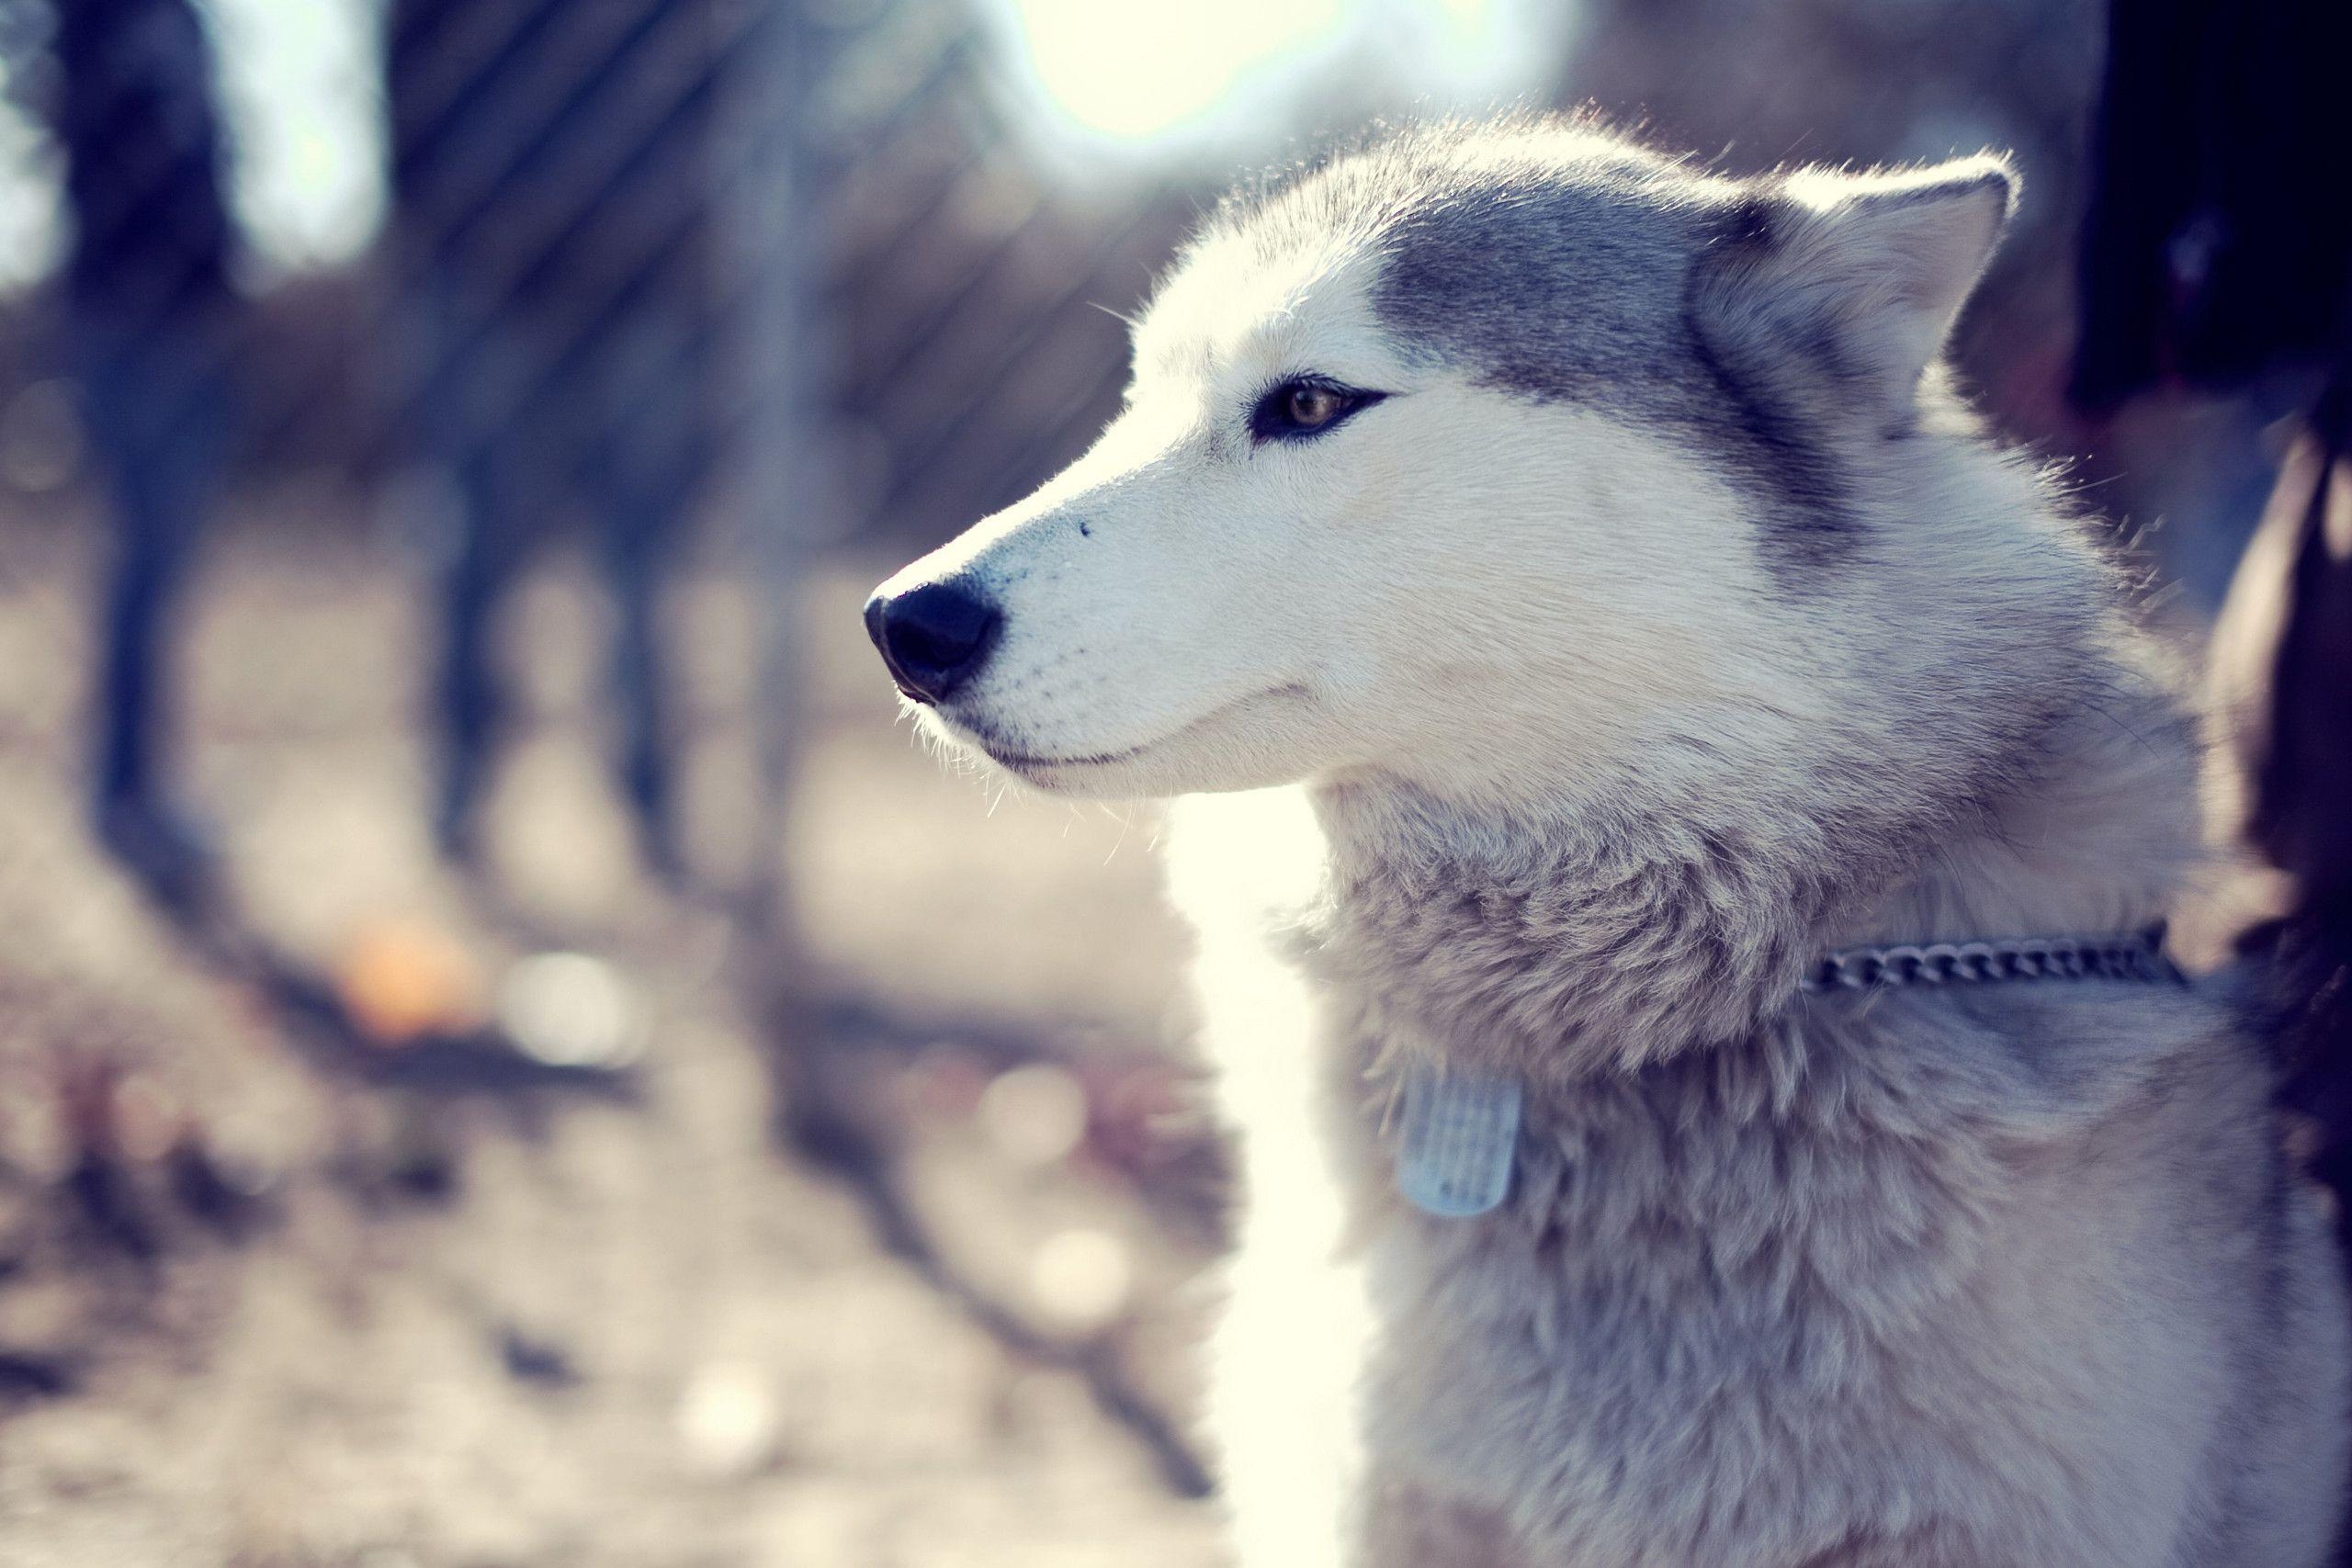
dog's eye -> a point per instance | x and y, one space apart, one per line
1306 406
1310 407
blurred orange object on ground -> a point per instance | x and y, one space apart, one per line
403 978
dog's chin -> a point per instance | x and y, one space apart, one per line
1244 745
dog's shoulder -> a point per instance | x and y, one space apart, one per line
2055 1061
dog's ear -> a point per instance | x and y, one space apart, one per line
1858 276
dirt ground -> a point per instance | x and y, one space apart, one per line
282 1287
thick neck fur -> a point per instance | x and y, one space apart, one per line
1545 946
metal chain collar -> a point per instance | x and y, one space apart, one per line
2139 957
1458 1146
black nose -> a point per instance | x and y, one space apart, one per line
934 637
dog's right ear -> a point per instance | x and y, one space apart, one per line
1858 276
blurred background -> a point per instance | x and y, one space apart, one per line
509 1054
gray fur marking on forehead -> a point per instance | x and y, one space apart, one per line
1541 253
1560 264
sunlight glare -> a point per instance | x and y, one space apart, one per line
300 88
32 233
1133 73
1219 78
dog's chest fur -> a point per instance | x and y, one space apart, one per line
1915 1276
1717 1278
1742 1306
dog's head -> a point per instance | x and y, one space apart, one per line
1474 459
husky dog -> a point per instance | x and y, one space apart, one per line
1586 560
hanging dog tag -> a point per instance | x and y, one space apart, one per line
1459 1140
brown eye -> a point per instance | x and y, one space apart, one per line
1311 408
1306 406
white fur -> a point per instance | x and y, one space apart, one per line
1576 776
